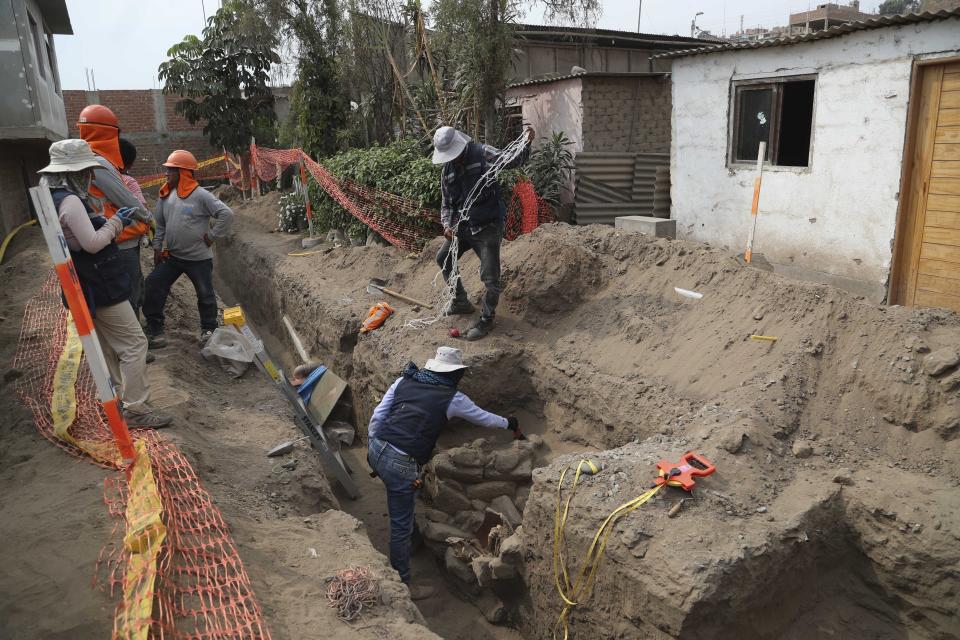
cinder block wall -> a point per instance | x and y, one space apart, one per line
626 114
148 119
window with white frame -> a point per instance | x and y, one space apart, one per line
778 111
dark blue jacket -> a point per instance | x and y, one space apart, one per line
417 416
459 180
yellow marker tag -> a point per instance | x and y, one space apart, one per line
767 338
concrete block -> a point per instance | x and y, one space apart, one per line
647 225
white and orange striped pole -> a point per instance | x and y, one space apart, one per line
67 274
748 254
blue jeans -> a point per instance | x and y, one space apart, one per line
158 285
398 473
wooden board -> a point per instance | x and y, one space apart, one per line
951 100
943 203
946 152
940 236
933 299
945 186
325 395
937 284
945 169
940 252
949 118
943 219
937 268
948 135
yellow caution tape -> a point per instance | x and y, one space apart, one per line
145 535
63 400
145 529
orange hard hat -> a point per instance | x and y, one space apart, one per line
98 114
181 159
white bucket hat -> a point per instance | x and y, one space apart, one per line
448 144
447 359
70 155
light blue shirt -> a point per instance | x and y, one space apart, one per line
460 407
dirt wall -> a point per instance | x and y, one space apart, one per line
836 444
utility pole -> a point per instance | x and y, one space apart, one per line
693 24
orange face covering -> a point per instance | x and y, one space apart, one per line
105 142
185 186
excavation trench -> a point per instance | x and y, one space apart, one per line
597 359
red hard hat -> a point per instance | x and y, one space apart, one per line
98 114
181 159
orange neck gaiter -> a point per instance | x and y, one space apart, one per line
185 186
105 142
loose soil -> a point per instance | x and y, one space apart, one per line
834 511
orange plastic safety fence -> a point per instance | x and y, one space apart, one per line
400 221
200 589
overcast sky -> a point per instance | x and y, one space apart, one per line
124 42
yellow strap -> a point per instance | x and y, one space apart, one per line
579 591
6 241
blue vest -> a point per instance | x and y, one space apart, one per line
460 180
102 276
417 416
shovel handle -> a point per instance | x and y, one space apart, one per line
400 296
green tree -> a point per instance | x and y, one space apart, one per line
318 102
894 7
222 78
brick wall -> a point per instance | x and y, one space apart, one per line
147 118
626 114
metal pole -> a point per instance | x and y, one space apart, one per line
761 152
639 13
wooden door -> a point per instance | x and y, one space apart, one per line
929 272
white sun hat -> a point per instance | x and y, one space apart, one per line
447 359
70 155
448 144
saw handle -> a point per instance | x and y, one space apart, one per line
400 296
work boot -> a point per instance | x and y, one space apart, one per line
459 307
205 337
146 420
482 328
155 340
420 591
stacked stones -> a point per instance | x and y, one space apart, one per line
472 503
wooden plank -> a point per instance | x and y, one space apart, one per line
951 82
950 100
940 269
940 252
949 118
946 152
922 162
937 284
945 169
943 203
945 187
942 219
933 299
936 235
948 135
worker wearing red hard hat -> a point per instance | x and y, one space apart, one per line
100 128
189 220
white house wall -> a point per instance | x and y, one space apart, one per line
834 221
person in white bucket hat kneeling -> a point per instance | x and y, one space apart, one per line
403 432
464 164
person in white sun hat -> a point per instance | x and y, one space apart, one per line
464 163
103 276
403 432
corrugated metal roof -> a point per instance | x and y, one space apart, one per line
590 74
589 32
833 32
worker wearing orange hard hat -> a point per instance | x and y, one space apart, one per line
100 128
190 220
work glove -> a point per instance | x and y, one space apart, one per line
513 424
158 257
127 215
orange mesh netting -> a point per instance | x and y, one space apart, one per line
400 221
171 558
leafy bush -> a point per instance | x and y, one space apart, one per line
549 167
292 215
400 168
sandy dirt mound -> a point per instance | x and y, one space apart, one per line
834 506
